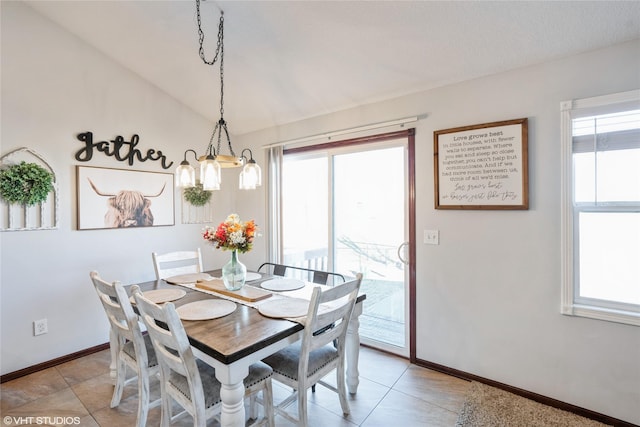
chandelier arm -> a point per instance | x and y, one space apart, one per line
185 156
210 146
219 126
226 131
250 155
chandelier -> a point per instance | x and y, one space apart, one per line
212 162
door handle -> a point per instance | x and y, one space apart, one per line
400 248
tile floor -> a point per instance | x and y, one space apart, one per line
391 392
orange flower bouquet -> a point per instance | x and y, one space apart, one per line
232 234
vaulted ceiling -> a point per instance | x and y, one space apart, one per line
289 60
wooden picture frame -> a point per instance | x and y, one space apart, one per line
482 166
119 198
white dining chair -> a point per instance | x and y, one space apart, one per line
133 349
175 263
305 363
320 277
189 381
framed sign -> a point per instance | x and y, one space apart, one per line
482 166
117 198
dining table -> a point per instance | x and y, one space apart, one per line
233 342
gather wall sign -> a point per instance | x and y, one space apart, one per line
118 148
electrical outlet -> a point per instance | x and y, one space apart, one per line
40 327
431 237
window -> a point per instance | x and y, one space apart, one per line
601 207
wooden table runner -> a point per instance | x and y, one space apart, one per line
246 293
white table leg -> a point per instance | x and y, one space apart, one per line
232 395
352 348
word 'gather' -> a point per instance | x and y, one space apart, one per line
124 151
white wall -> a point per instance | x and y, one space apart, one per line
488 296
54 86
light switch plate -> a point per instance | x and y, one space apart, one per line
431 237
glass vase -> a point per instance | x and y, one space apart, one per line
234 273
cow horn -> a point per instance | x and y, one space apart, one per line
159 193
98 192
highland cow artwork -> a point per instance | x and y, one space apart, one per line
117 198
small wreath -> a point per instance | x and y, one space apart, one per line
25 183
196 195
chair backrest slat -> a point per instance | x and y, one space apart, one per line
320 277
176 263
170 342
279 270
117 306
332 317
329 314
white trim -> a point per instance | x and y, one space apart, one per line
600 313
604 100
329 135
598 104
566 209
570 110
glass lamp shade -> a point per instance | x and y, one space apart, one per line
241 182
185 175
251 176
210 174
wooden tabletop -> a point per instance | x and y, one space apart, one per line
232 337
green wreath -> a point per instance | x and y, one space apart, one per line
196 195
25 183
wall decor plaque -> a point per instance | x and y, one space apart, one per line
117 198
482 166
121 150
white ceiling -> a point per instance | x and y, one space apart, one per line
290 60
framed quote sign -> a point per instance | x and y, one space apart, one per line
482 166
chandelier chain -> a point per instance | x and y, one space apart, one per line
212 162
221 124
221 77
219 46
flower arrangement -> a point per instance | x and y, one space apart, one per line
232 234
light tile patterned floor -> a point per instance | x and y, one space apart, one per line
392 392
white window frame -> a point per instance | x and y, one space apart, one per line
571 304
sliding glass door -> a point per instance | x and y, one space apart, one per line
305 215
345 210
